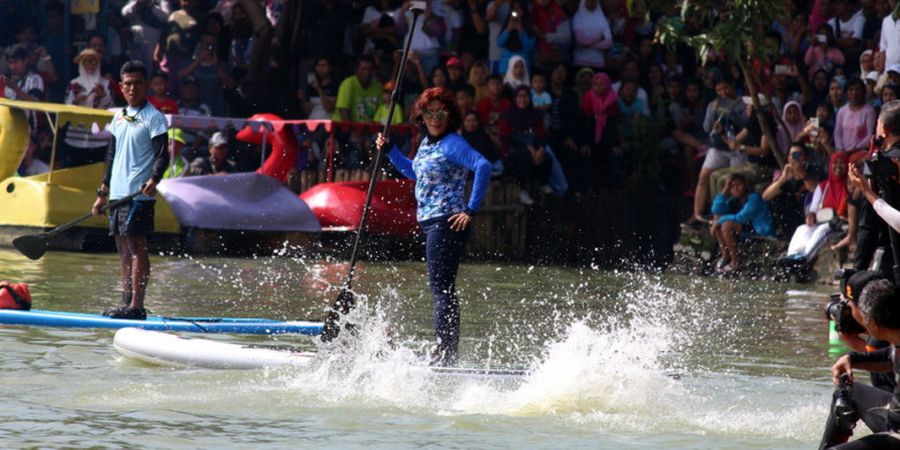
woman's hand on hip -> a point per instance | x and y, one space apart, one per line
459 221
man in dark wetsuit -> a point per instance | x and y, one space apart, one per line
878 309
135 161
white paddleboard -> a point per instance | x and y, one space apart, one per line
166 349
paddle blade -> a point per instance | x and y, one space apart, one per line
342 305
33 246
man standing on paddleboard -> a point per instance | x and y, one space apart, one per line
135 161
441 169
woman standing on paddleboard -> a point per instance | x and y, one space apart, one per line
440 168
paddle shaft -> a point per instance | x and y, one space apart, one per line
395 94
88 215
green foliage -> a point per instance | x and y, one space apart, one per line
731 27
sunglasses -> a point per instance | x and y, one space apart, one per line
439 114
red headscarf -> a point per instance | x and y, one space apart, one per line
601 107
834 189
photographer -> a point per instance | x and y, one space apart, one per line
872 230
878 309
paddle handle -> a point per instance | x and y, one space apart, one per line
88 215
370 192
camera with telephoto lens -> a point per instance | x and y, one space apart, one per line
882 169
845 413
838 309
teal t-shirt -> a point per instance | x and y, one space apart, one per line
133 161
362 103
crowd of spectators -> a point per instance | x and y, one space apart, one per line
556 92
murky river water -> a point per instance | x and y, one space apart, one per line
620 360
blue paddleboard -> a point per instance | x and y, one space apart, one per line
239 325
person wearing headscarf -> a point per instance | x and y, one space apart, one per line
516 75
522 138
600 102
592 34
90 90
829 194
792 124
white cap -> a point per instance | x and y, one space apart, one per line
872 76
893 68
218 138
763 100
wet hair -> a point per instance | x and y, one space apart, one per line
443 96
890 116
880 303
133 66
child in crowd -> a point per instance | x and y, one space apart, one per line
540 98
159 96
490 107
381 114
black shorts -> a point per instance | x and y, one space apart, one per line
134 218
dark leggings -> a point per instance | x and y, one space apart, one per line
443 250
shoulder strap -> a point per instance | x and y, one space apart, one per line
16 297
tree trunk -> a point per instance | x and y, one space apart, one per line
750 83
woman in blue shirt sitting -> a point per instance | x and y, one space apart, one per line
441 168
739 212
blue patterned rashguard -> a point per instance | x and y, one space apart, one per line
440 169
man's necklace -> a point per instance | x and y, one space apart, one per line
133 117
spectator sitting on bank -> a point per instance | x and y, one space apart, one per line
832 195
516 75
359 94
178 164
790 193
30 165
216 163
889 92
478 77
630 109
724 118
855 121
159 94
737 210
479 140
750 141
174 52
521 129
21 83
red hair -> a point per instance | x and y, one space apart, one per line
443 96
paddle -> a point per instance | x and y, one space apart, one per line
345 300
35 245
